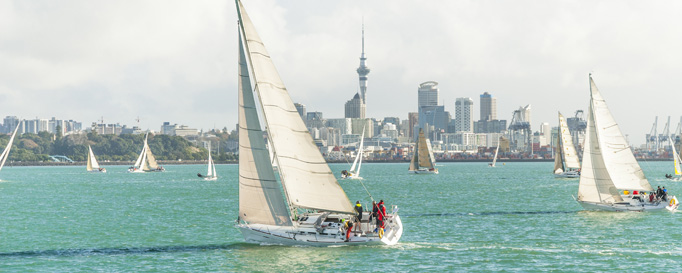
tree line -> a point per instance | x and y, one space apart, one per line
30 147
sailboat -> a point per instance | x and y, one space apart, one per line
301 203
211 175
676 164
495 156
92 165
145 161
423 160
5 153
355 173
611 179
566 161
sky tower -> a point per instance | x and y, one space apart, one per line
363 70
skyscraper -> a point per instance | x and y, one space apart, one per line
363 70
355 108
428 94
301 110
488 107
464 108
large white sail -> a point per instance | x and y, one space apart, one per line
139 161
308 180
569 155
595 183
260 198
211 168
619 161
151 160
5 153
496 150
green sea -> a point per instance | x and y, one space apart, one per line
513 218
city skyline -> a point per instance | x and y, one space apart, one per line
165 61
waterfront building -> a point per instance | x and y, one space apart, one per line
488 107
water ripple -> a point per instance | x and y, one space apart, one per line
119 251
487 213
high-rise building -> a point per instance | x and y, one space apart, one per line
363 70
464 120
428 94
412 121
355 108
301 110
488 107
10 122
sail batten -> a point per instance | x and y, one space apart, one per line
307 180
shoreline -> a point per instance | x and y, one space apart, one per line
201 162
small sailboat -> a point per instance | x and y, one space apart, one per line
677 176
423 160
566 161
355 173
211 174
146 162
301 202
5 153
611 179
92 165
495 156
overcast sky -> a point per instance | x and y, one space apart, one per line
177 60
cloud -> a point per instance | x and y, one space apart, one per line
176 61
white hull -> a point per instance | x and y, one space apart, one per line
98 171
569 174
212 178
329 234
352 177
424 171
629 204
142 171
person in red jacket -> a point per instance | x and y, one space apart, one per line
381 215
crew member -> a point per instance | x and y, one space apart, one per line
358 218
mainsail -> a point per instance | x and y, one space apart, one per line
92 161
496 150
211 167
358 159
676 160
424 150
566 157
608 162
5 153
307 180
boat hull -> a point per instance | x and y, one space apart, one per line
569 174
97 171
423 171
302 235
623 206
213 178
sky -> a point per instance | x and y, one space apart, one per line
176 61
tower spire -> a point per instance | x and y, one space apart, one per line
363 70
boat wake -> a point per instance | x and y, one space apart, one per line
457 214
120 251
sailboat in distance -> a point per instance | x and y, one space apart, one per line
5 153
146 162
354 173
423 160
566 161
92 165
211 174
495 156
611 179
306 205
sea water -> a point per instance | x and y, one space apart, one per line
470 217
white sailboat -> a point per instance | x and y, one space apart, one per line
146 162
303 203
423 160
566 161
211 174
355 173
92 165
495 156
5 153
677 176
611 179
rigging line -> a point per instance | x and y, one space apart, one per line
363 185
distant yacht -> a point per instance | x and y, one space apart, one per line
145 161
423 160
92 165
5 153
211 174
566 161
495 156
355 173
